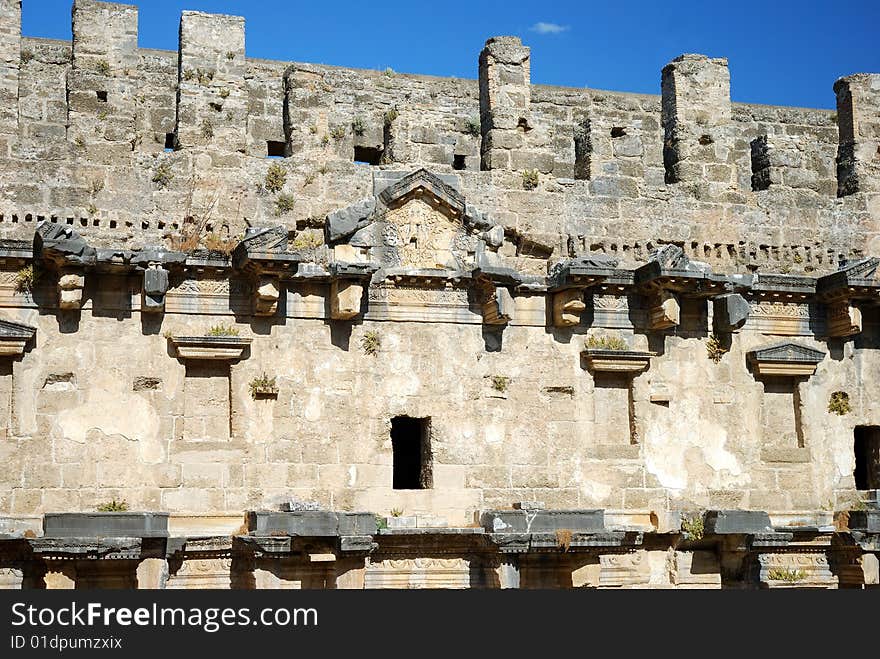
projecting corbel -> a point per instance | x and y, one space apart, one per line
664 310
347 285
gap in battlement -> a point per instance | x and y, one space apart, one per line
365 155
274 149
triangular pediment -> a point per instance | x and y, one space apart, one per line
417 221
426 187
787 352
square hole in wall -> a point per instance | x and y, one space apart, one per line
458 162
102 96
618 131
367 155
411 446
274 149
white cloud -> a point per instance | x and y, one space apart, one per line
548 28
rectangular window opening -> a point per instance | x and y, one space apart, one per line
458 162
367 155
274 149
169 141
411 446
102 96
867 449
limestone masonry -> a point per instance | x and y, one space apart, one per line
329 328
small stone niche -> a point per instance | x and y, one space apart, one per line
613 373
781 368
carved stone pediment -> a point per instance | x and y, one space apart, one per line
14 337
418 222
422 184
785 359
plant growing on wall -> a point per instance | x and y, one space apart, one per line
263 386
217 243
473 126
276 176
390 116
692 526
25 279
113 506
284 204
307 241
222 330
839 403
163 176
357 126
371 342
500 383
530 179
606 343
396 512
785 574
337 132
714 348
563 539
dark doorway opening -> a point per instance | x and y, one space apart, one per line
411 445
867 449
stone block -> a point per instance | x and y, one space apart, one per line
109 525
722 522
543 521
345 299
729 312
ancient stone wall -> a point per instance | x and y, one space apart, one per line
223 282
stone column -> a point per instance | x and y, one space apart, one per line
505 97
212 93
696 115
152 574
101 87
10 60
858 120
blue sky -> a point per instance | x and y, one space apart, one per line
781 53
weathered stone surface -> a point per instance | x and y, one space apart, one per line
101 525
527 521
737 521
494 225
730 312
